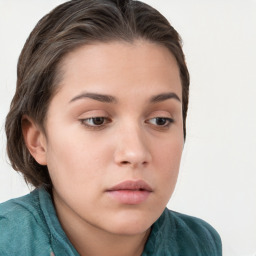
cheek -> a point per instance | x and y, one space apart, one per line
75 159
168 154
167 161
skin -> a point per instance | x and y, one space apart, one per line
129 143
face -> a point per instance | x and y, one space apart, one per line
114 135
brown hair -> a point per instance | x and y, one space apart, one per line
67 27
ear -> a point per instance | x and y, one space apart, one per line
35 139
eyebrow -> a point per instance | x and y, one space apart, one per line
164 96
110 99
95 96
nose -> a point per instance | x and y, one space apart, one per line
132 148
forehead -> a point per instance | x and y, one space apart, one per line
123 65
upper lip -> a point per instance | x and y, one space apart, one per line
132 185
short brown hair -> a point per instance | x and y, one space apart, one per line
67 27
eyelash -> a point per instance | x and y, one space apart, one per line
93 119
167 122
106 120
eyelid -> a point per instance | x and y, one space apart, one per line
156 116
87 119
170 120
93 113
83 121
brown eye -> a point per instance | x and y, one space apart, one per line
161 121
98 120
95 121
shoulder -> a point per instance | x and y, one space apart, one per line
21 224
194 224
180 234
198 233
20 211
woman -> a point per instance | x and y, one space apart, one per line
97 125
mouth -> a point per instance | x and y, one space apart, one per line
130 192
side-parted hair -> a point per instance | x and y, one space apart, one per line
67 27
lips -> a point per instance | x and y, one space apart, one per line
130 192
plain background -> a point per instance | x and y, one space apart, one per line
218 172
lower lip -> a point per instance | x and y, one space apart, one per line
129 196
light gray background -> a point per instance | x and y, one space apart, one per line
218 173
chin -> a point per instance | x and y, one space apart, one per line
130 230
132 224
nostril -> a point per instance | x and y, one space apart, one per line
133 164
125 162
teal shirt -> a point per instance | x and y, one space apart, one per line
29 227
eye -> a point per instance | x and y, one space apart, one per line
161 121
92 122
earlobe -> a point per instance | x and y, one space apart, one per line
34 139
